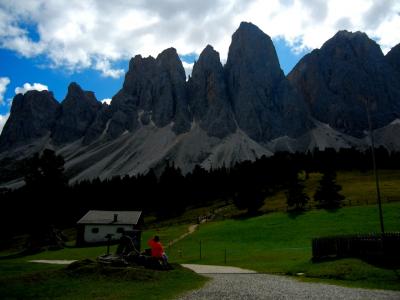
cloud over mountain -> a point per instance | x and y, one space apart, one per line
97 34
30 87
4 81
3 120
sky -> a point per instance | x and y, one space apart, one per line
46 44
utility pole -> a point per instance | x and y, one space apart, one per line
378 192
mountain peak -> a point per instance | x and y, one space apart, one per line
349 67
350 34
258 88
208 54
250 43
169 53
393 58
357 44
208 97
32 117
208 49
248 26
76 113
169 60
77 94
73 86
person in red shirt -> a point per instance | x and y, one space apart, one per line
157 249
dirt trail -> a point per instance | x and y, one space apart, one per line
191 229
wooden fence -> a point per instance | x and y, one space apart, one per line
368 246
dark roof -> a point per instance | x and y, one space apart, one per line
107 217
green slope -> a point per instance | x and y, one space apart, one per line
281 243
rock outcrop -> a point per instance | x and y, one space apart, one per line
393 59
347 75
264 103
32 116
208 96
77 112
153 91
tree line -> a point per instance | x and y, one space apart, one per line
48 199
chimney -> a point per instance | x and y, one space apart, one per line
115 218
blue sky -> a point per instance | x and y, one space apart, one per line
52 43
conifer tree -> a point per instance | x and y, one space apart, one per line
327 193
295 195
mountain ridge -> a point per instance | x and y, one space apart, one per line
220 115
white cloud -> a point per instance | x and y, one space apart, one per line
308 24
106 70
106 101
29 87
77 34
4 81
188 68
3 120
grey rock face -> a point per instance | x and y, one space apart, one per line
340 78
393 58
77 112
208 95
99 124
32 116
154 90
265 105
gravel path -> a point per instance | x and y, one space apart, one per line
235 283
52 261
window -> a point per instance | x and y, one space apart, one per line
120 230
95 230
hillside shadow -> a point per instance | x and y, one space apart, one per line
293 214
247 215
382 263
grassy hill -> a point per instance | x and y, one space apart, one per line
281 243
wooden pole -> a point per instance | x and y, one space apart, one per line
378 193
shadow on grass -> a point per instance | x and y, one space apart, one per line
293 214
247 215
23 253
382 263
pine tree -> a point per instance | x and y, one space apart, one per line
327 193
295 195
46 171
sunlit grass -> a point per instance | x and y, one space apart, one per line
281 243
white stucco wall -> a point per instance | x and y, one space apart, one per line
91 237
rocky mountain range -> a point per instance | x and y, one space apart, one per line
222 114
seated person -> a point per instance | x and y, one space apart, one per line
157 250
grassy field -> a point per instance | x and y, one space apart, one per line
357 187
21 279
276 242
52 282
281 243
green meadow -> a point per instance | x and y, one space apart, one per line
21 279
274 242
280 243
